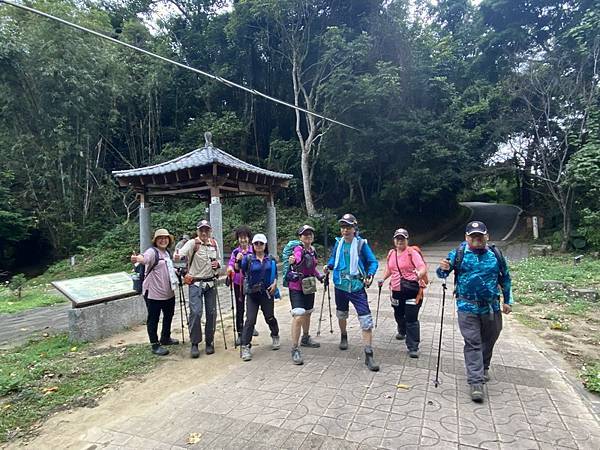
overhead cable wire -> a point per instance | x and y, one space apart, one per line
171 61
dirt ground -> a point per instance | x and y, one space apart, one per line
575 337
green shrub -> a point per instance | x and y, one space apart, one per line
590 375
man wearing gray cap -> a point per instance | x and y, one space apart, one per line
203 256
479 271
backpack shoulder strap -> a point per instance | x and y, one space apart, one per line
501 260
156 259
460 255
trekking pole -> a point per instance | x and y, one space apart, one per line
329 303
378 299
181 306
232 312
437 370
325 284
220 314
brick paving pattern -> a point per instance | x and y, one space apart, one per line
334 402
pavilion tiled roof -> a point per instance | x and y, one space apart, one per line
201 157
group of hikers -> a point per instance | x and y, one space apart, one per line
480 271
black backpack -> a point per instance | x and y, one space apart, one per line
140 269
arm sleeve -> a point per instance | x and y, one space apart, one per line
506 286
372 263
443 273
149 257
188 249
231 262
273 272
298 254
331 260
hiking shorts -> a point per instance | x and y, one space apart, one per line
299 300
358 300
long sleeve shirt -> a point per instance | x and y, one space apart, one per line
238 277
479 282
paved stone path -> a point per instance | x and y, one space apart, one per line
333 401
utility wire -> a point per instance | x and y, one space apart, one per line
162 58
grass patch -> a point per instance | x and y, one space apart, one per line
590 375
529 274
30 298
52 374
529 321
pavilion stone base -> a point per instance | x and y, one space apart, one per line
94 322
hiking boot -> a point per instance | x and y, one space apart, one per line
413 353
194 352
158 350
476 392
169 341
307 341
210 349
400 336
246 353
369 361
238 340
297 356
486 375
275 345
255 332
344 342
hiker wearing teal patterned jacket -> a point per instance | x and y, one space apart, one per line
354 266
480 273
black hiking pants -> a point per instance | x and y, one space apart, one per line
406 314
154 308
267 305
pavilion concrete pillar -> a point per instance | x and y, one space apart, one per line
215 211
272 226
145 231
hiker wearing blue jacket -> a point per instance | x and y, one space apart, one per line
481 274
354 266
260 274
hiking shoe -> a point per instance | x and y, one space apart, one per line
246 353
486 375
476 392
400 336
297 356
275 345
307 341
369 361
194 352
210 349
413 353
255 332
344 342
158 350
169 341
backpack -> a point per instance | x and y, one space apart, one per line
288 250
460 255
140 269
424 281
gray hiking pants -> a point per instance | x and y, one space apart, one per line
480 333
198 298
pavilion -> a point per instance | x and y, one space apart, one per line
209 174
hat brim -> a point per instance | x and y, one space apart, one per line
170 236
396 236
343 222
470 233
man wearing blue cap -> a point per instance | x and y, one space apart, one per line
480 273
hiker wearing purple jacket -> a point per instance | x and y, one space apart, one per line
243 235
